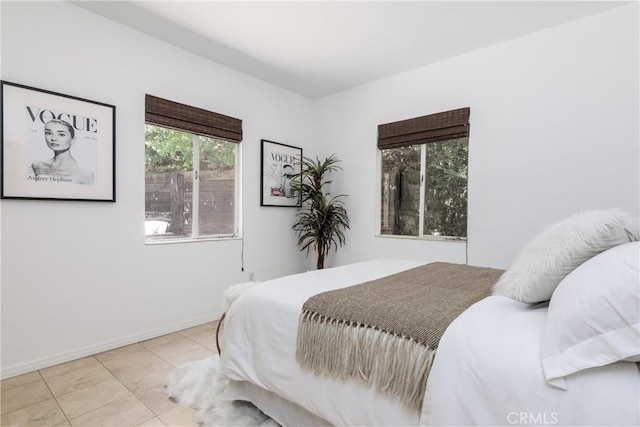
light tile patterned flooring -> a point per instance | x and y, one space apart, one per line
117 388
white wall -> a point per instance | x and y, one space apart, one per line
554 130
77 277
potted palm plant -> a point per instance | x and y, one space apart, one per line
321 219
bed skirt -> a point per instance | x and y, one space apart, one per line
284 412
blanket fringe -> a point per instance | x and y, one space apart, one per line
396 365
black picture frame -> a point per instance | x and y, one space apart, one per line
56 146
277 161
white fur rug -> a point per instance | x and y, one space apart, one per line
200 385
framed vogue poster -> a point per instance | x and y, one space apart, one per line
279 162
56 146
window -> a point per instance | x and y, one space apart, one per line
424 176
191 178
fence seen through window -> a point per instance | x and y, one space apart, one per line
190 185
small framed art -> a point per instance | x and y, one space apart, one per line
56 146
279 163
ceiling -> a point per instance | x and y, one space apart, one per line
316 48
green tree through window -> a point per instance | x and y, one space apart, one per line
424 189
186 201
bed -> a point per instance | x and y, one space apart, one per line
488 369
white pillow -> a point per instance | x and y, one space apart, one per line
594 315
556 252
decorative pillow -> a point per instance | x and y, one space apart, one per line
556 252
233 292
594 315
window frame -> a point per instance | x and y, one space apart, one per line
423 130
195 235
198 122
423 187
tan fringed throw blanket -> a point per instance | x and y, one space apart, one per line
386 331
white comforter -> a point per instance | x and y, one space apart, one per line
486 372
259 345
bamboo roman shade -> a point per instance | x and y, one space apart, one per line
420 130
174 115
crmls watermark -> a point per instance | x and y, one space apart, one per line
532 418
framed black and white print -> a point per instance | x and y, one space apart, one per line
56 146
279 162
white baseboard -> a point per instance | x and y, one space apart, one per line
45 362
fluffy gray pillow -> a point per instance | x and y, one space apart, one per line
549 257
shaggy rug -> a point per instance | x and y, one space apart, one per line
200 385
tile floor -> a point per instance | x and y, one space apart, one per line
117 388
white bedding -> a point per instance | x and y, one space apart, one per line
488 371
487 367
259 344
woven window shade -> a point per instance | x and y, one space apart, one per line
420 130
174 115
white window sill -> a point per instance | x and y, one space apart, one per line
425 238
190 240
